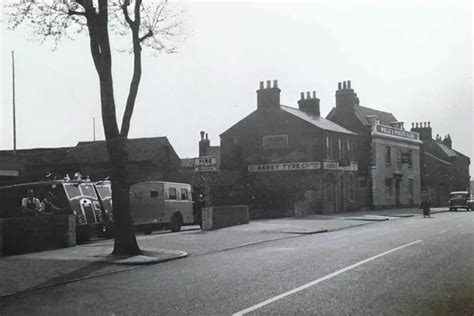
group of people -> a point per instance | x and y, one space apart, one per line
32 206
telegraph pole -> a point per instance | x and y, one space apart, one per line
93 128
13 100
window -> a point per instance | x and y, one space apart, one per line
410 159
88 190
399 157
184 194
388 188
153 194
328 148
339 146
388 155
172 194
349 155
410 188
72 191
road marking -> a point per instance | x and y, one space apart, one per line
312 283
460 225
443 231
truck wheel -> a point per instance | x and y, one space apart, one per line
176 222
147 229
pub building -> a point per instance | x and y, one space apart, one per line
388 155
287 155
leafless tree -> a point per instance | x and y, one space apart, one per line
151 25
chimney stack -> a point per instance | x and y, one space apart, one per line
268 97
309 105
204 145
346 98
424 129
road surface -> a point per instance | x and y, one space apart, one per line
398 267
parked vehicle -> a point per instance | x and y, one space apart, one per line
156 204
459 199
69 197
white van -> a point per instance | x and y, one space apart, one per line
157 204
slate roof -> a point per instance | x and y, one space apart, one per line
446 150
361 112
139 150
316 120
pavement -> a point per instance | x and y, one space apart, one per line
29 272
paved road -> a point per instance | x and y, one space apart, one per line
410 266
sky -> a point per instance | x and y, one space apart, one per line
413 59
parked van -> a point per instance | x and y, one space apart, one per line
156 204
70 197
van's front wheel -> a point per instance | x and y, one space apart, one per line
176 222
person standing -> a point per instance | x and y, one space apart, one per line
30 205
425 203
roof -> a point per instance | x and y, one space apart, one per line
438 159
448 151
187 162
214 151
139 149
362 112
316 120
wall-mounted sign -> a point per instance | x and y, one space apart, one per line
406 157
330 165
289 166
9 173
207 163
382 129
275 142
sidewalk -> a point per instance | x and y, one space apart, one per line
43 269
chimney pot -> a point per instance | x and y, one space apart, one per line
343 85
261 84
314 94
268 84
302 96
339 85
412 125
348 84
202 135
206 136
275 83
429 123
417 125
308 95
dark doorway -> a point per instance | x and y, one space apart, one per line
397 179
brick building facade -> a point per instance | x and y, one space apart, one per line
388 155
443 169
288 155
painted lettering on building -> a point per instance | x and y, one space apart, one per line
275 142
289 166
396 132
330 165
207 163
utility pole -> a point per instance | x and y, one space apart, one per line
13 100
93 128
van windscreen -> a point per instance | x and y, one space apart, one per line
72 191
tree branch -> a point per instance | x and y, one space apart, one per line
147 35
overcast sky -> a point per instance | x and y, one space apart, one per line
411 59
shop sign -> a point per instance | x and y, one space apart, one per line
275 142
382 129
289 166
207 163
406 158
9 173
329 165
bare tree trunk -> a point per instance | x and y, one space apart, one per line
125 240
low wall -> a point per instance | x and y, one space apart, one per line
31 234
224 216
